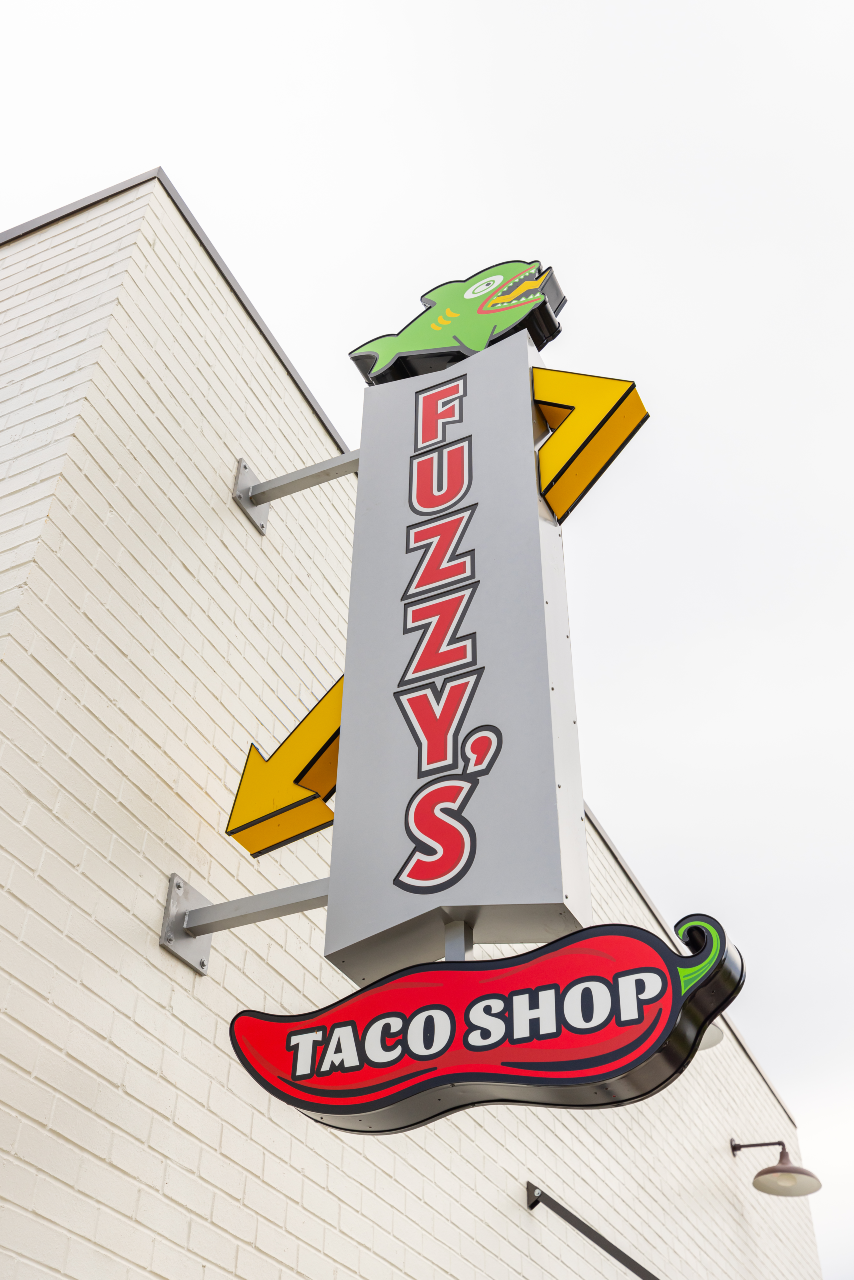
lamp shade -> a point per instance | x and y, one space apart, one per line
711 1037
786 1179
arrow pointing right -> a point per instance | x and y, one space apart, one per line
281 799
592 419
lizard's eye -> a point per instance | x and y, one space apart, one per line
483 286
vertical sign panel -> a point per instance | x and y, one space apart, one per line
459 789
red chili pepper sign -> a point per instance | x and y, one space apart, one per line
601 1018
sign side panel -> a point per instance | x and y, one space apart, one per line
567 756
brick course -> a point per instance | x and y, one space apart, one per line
147 635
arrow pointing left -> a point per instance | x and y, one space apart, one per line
282 799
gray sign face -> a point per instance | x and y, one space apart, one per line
459 786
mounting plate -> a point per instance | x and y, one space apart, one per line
243 482
181 898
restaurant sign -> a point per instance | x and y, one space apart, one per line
450 743
601 1018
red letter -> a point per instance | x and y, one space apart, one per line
436 409
439 479
444 845
440 648
440 539
435 725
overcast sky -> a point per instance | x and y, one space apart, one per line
686 169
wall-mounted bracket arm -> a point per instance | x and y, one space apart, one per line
189 918
257 907
735 1147
254 496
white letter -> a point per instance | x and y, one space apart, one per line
598 1004
304 1042
340 1050
375 1051
488 1028
630 995
544 1014
417 1033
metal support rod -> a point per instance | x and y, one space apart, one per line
260 906
189 917
459 943
537 1196
735 1147
330 469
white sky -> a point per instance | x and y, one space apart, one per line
686 169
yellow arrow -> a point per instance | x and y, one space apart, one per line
282 799
591 419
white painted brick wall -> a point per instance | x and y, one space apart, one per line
150 634
58 290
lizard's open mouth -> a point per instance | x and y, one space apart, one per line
516 292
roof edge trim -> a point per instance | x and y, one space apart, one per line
56 215
670 935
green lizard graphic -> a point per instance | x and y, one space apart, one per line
465 316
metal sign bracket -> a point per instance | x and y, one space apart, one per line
189 918
181 899
254 496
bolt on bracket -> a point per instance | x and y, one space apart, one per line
243 484
174 938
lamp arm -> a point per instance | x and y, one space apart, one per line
735 1147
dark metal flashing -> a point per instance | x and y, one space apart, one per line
35 224
536 1196
670 936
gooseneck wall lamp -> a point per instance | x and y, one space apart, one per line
782 1178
